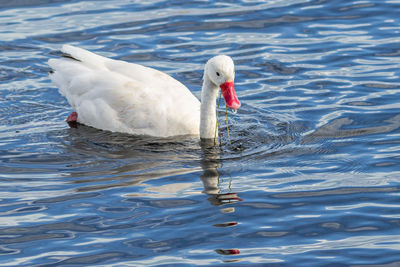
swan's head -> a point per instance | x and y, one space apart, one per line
221 71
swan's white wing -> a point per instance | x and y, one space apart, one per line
124 97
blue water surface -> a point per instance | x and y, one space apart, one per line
312 177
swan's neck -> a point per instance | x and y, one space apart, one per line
208 119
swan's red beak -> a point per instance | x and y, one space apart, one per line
228 91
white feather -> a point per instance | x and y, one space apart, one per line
124 97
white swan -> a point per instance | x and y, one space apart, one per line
124 97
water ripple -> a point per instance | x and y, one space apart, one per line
310 177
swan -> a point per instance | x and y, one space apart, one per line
130 98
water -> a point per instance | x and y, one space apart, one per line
312 177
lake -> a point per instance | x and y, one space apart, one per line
311 176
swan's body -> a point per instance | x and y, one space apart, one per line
125 97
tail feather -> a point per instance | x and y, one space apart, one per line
86 57
73 72
70 57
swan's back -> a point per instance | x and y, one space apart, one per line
124 97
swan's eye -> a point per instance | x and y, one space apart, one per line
217 73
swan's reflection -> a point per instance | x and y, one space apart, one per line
210 162
210 177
